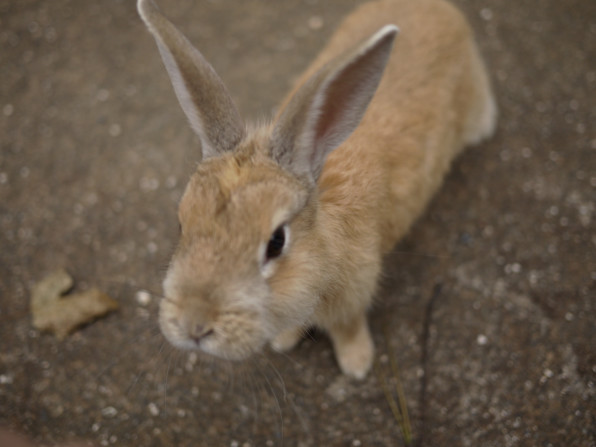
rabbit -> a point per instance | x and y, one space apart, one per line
284 225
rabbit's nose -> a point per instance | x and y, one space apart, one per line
199 331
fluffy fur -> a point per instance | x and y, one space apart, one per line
346 192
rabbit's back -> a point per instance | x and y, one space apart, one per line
425 111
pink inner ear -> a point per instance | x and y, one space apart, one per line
345 101
330 105
334 116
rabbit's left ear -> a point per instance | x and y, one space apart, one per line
329 106
202 94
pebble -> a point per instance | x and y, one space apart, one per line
153 409
6 379
8 109
149 184
481 340
143 297
103 95
115 130
109 412
171 182
526 152
486 14
513 268
315 22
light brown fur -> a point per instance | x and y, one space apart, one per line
434 98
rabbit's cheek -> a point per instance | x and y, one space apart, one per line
172 328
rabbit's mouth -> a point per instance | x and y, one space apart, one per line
233 335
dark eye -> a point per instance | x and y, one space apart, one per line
276 243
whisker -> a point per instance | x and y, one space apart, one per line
277 404
299 415
277 373
165 388
137 377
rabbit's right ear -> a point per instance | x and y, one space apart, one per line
202 94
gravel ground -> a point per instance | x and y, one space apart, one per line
488 306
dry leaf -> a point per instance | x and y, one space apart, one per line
63 314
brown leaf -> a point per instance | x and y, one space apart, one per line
62 315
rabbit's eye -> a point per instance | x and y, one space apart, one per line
276 243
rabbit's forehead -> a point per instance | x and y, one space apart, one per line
235 200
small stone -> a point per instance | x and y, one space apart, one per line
486 14
8 109
6 379
149 184
482 340
109 412
315 22
115 130
171 182
143 297
103 95
153 409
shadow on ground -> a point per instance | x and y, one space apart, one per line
94 155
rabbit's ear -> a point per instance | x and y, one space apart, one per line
202 94
329 106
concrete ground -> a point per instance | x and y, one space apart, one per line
488 306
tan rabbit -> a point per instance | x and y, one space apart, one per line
284 226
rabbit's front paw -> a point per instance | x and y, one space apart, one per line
286 340
354 348
355 360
